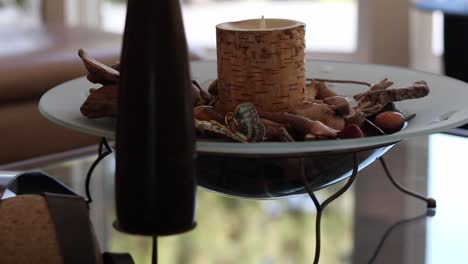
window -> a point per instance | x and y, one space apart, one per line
201 16
25 12
427 37
17 19
347 30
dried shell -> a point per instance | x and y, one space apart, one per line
217 128
249 122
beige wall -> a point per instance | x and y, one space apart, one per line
383 34
384 31
53 11
421 35
72 12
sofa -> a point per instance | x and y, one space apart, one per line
26 73
46 56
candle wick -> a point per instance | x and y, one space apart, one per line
263 23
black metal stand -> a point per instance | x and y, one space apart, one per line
321 207
101 155
105 149
154 256
430 202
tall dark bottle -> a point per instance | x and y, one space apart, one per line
155 139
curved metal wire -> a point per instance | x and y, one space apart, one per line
101 155
321 207
430 202
154 255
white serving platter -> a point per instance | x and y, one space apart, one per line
444 108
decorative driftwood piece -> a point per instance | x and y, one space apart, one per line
373 101
101 102
280 133
261 66
308 129
276 131
382 85
97 71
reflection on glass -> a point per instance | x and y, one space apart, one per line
229 230
282 231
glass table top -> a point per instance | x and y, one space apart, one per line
371 223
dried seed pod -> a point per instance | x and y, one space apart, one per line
351 131
341 104
390 121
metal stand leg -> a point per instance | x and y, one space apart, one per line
431 203
154 256
101 155
321 207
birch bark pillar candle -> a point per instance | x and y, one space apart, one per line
261 61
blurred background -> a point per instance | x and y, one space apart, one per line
389 32
39 40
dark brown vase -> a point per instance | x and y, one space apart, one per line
155 139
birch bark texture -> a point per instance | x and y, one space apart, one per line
261 61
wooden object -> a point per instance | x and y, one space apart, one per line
28 233
261 61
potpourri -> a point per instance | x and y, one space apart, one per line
325 115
